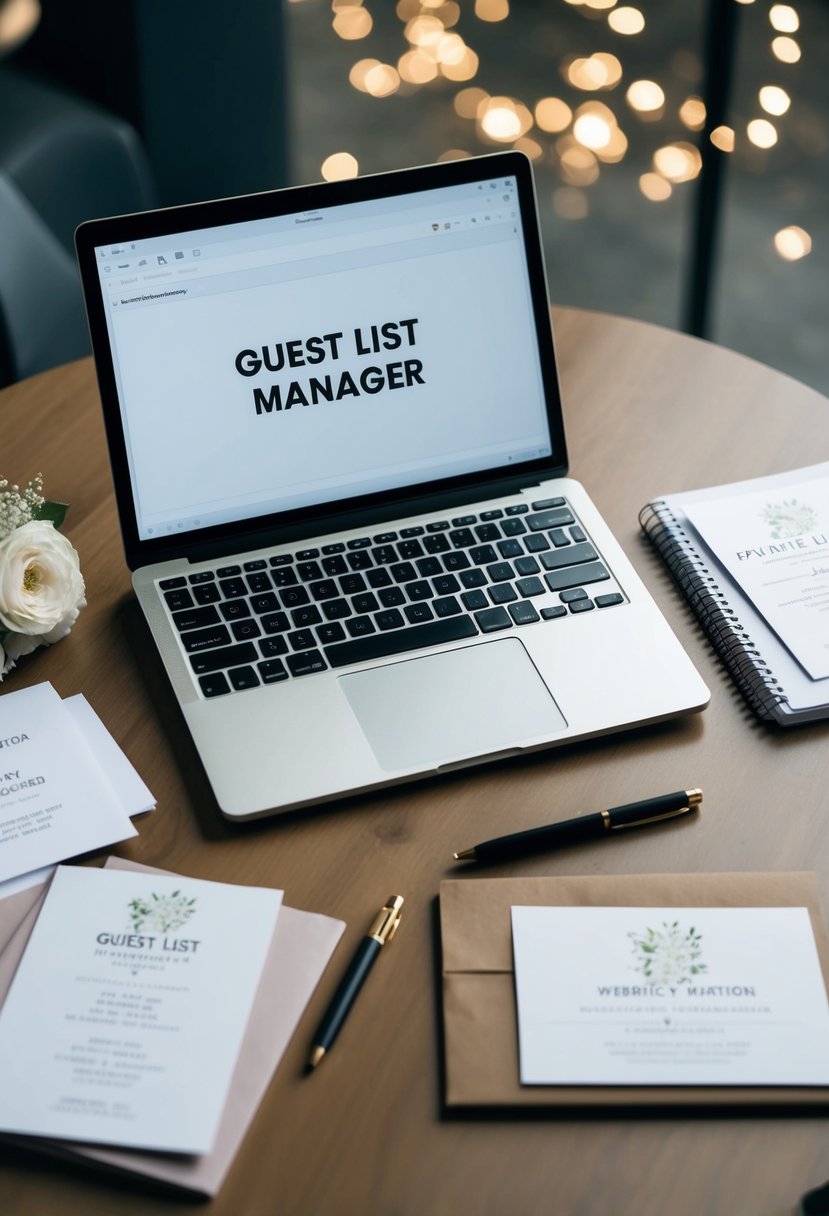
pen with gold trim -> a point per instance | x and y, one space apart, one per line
587 827
382 930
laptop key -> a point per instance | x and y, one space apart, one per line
384 555
336 547
266 602
473 578
275 622
437 525
510 548
473 600
523 613
205 639
309 615
421 589
499 572
578 593
379 645
456 561
256 564
492 619
284 576
462 538
178 599
391 597
195 618
577 533
536 542
244 630
243 677
447 605
436 543
259 581
571 556
234 610
403 572
487 532
482 555
378 578
269 648
409 549
502 593
518 508
544 520
560 580
336 610
334 565
360 559
359 626
359 542
307 555
215 685
207 593
544 504
272 671
168 583
530 586
352 584
497 513
301 639
513 527
228 571
559 537
293 597
418 613
527 565
582 606
325 589
428 567
228 656
445 584
462 521
233 588
281 559
204 576
306 664
549 614
366 602
308 571
606 601
390 619
331 632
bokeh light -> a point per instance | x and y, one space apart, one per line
792 243
626 20
338 166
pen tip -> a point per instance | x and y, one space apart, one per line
465 855
315 1057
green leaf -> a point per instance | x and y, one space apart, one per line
55 511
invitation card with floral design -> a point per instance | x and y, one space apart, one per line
669 996
127 1012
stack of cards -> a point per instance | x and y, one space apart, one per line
148 1012
66 787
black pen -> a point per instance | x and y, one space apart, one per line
587 827
382 930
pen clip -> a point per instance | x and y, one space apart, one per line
387 920
639 823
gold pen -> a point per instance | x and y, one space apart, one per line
382 930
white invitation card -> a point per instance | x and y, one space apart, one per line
55 800
669 996
125 1017
775 543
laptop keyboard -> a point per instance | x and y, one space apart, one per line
262 621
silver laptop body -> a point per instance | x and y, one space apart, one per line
338 454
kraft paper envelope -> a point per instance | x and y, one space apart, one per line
302 945
479 1011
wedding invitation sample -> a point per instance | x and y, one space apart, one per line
129 1006
669 996
775 544
55 798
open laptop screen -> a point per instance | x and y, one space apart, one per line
271 365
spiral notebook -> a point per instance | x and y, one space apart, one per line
766 653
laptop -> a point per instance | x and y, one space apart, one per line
339 460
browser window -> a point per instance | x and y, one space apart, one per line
287 362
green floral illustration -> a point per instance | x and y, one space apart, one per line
161 913
670 955
788 518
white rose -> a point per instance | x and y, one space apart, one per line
41 587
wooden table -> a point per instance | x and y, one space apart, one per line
648 411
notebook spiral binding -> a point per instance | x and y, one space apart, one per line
718 619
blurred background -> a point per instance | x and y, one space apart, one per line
680 146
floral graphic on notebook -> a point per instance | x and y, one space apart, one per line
162 913
788 518
670 955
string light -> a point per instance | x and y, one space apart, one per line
792 243
626 20
774 100
785 49
784 18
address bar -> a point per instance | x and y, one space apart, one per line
310 248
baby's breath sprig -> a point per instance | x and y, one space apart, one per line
20 506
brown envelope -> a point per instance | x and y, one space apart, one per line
301 947
479 1015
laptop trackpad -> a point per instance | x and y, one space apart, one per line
473 701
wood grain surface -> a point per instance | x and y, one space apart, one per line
647 411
